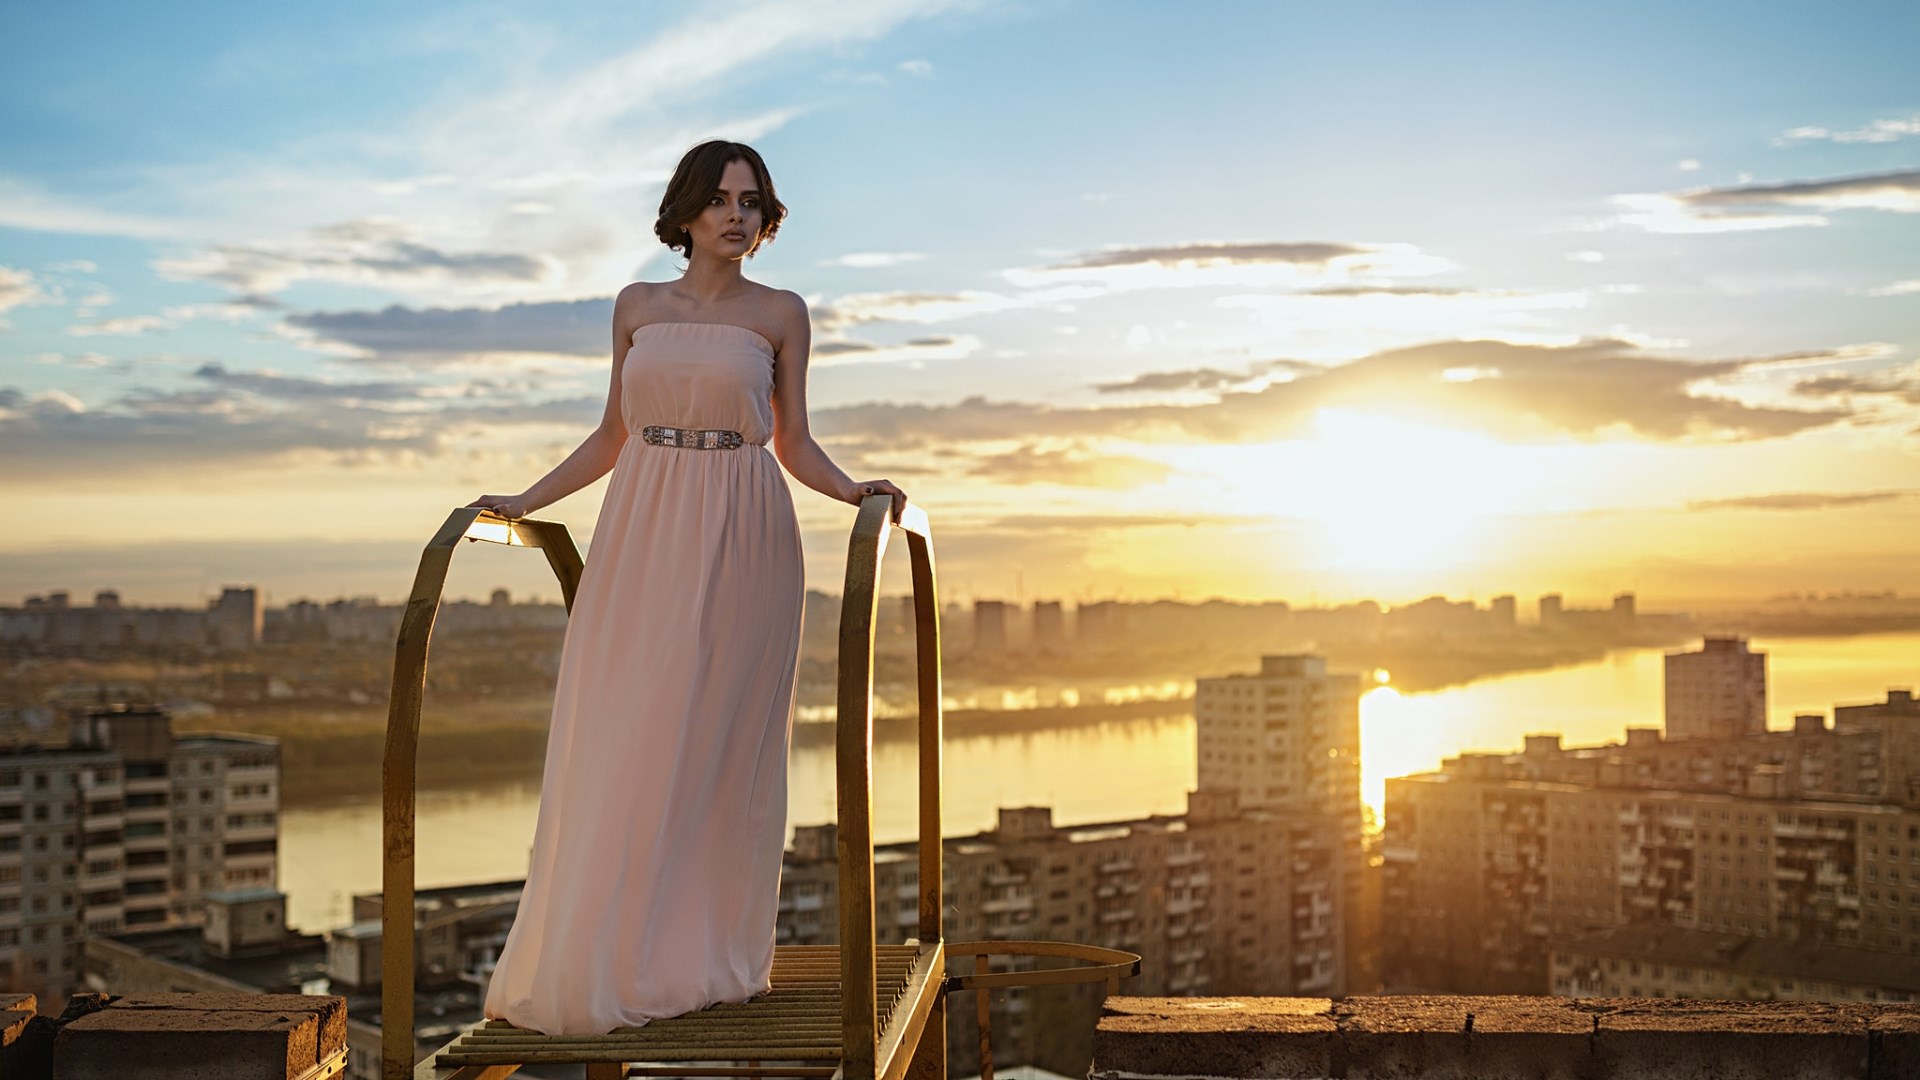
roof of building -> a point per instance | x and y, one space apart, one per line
241 896
297 963
214 740
1816 960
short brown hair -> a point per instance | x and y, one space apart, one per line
695 180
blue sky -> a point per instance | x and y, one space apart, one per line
1582 298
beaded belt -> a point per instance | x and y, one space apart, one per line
692 439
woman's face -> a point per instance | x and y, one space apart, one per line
730 225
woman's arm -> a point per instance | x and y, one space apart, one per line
793 440
597 452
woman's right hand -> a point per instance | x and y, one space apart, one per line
507 506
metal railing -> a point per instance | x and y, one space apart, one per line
912 1037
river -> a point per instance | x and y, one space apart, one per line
1105 772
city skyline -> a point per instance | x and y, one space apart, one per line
1239 300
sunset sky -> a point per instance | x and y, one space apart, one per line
1304 300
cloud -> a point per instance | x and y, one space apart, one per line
1243 263
238 421
872 260
1596 390
919 69
1903 385
123 326
236 309
1070 466
580 328
1802 500
1211 380
18 289
833 352
1771 206
295 388
1875 131
367 252
30 208
1092 524
568 327
1898 288
913 307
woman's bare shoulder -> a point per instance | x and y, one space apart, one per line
784 304
637 296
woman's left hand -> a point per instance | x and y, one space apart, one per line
864 488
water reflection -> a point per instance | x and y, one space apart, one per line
1103 772
1115 770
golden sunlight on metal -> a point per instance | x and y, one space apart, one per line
857 1011
494 529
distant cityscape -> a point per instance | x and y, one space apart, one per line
1705 857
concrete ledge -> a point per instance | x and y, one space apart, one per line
1248 1037
1502 1038
330 1013
192 1036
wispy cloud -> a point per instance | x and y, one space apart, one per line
229 422
1875 131
123 326
1241 263
1770 206
874 260
368 252
1080 465
1901 384
834 352
17 289
27 206
907 307
571 327
1898 288
1802 500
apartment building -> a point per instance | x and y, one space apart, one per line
1221 900
125 827
1286 740
1719 691
1668 962
1496 863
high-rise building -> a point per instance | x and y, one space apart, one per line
1504 611
124 828
1287 740
1049 626
1625 611
234 621
989 626
1717 692
1552 610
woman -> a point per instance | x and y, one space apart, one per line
656 858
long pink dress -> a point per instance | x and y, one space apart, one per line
656 858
